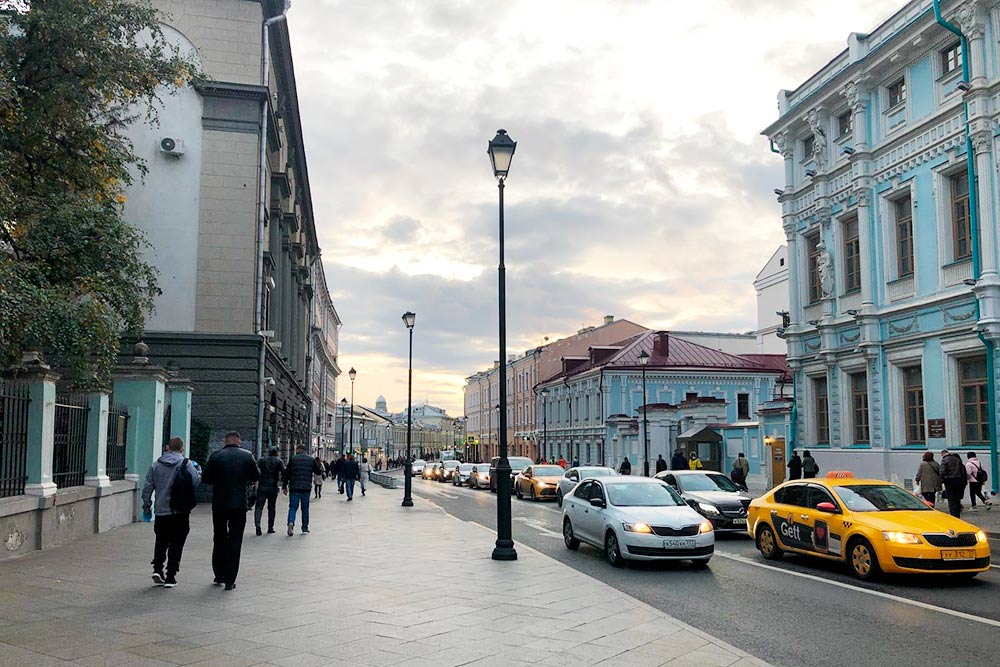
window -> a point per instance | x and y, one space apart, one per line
817 494
897 93
852 256
904 237
793 494
951 58
845 123
584 491
975 404
815 291
859 404
743 406
808 145
960 224
822 411
913 399
691 396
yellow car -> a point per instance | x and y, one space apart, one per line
538 481
872 525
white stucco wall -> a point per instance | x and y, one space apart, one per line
165 204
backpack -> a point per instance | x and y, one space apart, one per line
981 475
182 499
737 475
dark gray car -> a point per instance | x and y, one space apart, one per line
713 495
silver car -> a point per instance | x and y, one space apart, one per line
636 518
574 475
418 466
479 478
461 474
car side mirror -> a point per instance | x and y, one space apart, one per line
827 507
598 502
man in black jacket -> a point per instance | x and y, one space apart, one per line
954 475
661 465
337 469
229 470
298 486
351 472
272 470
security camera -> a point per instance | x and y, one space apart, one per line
779 192
964 86
852 312
269 381
848 150
970 282
811 173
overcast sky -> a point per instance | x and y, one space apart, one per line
640 187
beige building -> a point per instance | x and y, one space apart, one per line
324 370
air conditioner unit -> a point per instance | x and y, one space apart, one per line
172 146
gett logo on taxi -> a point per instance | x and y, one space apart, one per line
792 531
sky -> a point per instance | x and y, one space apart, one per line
640 187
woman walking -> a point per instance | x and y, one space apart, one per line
318 478
929 477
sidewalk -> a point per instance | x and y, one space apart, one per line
372 584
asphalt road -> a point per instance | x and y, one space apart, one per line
795 612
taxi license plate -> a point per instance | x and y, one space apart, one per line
958 554
678 544
739 522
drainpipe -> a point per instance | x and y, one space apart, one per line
773 149
258 301
970 159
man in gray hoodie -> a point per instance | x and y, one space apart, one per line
171 528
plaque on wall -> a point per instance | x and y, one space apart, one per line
935 428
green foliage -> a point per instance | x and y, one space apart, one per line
73 75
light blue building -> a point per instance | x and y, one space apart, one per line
593 409
893 256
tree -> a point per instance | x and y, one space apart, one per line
73 75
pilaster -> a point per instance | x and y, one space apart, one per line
180 391
140 386
97 440
41 382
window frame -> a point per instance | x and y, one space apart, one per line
851 248
808 147
813 285
945 57
899 82
903 204
860 416
742 414
954 202
821 406
841 131
981 404
914 432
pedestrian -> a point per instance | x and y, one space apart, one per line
318 478
351 472
795 466
364 470
338 464
576 462
272 470
694 463
977 477
738 475
954 475
677 461
229 471
328 467
661 465
298 486
929 477
625 468
562 462
172 479
744 463
809 466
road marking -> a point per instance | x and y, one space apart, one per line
879 594
538 526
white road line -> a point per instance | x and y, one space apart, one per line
879 594
538 526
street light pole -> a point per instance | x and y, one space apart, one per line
501 150
409 319
644 359
545 423
353 374
343 422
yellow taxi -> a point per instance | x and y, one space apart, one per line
872 525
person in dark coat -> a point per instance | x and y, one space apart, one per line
625 468
338 465
955 476
298 486
351 473
809 466
661 465
678 461
229 471
795 466
272 470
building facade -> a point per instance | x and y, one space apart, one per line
324 370
771 285
892 248
226 206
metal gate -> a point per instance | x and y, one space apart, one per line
13 437
117 440
166 426
69 456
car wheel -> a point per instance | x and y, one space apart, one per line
559 498
767 544
520 496
571 542
612 551
534 498
862 559
701 564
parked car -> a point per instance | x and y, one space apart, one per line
480 476
444 472
713 495
635 518
418 466
537 481
517 464
429 471
461 474
573 476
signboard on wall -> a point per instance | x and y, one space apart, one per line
935 428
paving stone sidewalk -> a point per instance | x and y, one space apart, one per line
372 584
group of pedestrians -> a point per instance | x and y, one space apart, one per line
950 477
802 467
168 497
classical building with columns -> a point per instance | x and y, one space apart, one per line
892 246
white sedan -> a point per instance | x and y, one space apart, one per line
417 467
636 518
574 475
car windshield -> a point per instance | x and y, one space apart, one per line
466 467
642 494
483 469
548 471
706 483
519 462
878 498
419 462
595 472
451 464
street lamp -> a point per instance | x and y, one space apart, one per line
343 422
353 374
545 422
409 319
501 151
643 360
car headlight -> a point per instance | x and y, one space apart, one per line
900 538
981 537
711 509
705 527
637 527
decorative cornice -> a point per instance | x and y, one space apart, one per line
982 141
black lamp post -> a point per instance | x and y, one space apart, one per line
501 151
353 374
644 359
343 422
545 423
409 319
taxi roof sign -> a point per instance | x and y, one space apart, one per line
839 474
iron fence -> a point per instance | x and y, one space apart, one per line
117 439
166 426
69 456
14 402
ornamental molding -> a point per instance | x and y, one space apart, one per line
864 196
819 138
967 17
844 338
784 146
898 328
960 317
853 92
982 141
